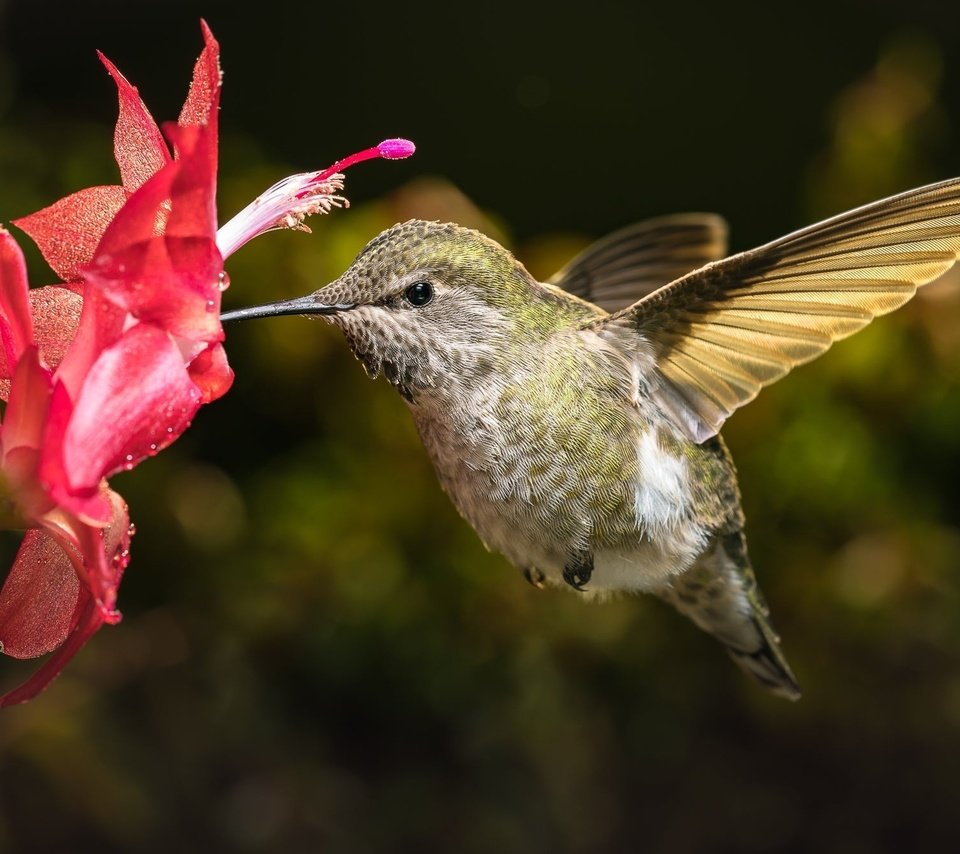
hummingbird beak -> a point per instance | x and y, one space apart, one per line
301 305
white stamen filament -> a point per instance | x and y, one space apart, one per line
285 205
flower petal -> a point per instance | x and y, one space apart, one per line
56 318
137 142
210 371
101 324
114 546
68 231
87 503
101 557
193 211
101 552
88 621
137 398
24 420
203 99
16 327
167 282
158 260
39 598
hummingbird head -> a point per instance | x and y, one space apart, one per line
427 304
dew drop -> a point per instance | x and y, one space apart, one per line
224 281
211 304
131 530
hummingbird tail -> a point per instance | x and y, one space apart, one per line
767 663
719 593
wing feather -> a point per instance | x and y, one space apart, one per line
722 332
635 261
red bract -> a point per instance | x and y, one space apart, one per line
111 367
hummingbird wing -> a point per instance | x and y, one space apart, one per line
711 340
630 263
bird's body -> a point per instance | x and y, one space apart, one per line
556 455
575 423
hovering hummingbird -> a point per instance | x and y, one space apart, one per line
574 423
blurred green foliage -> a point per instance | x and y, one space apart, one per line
317 653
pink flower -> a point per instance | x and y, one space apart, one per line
111 368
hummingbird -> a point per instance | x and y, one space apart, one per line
575 422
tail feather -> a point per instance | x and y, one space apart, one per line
719 593
767 663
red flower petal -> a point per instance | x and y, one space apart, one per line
172 283
137 398
68 231
43 604
39 598
211 373
203 99
16 328
88 621
24 420
100 552
137 143
193 189
101 325
56 317
87 503
158 260
113 544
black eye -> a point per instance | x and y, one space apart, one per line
419 293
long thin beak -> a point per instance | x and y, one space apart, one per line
300 305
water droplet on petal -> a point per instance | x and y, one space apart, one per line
211 305
224 281
131 529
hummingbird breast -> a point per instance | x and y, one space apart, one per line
557 456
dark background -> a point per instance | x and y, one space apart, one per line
317 654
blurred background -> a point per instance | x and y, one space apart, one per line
317 654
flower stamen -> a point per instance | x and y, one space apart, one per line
290 201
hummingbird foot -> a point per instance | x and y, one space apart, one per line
578 571
535 577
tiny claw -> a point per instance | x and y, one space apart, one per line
578 571
535 577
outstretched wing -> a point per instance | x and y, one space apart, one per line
721 333
629 264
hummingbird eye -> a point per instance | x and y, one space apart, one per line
419 293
